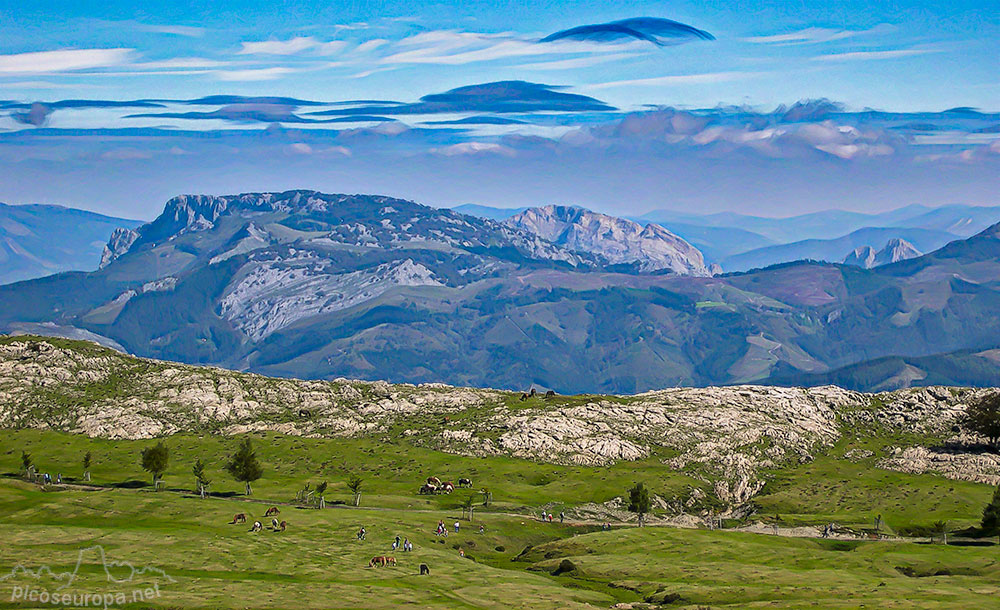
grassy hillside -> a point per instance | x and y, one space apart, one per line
767 554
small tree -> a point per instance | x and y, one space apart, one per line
155 460
354 484
487 496
991 516
468 505
87 461
27 464
201 479
243 465
983 417
942 528
320 490
638 501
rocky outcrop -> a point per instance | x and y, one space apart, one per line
895 250
728 437
617 240
119 243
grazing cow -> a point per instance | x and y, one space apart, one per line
272 511
550 394
447 487
257 526
424 569
428 489
239 518
436 482
465 482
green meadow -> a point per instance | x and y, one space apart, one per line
516 562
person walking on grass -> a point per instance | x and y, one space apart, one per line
395 543
562 516
456 527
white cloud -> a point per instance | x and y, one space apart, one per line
370 45
181 63
872 55
817 35
449 47
679 79
474 148
65 60
576 62
175 30
256 74
292 46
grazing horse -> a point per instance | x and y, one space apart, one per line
436 482
428 489
389 561
524 397
239 518
465 482
272 511
257 526
274 524
282 526
550 394
377 561
424 569
447 487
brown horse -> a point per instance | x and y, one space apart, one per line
282 526
239 518
424 569
436 482
377 561
272 511
390 561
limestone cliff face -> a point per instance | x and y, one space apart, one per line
615 239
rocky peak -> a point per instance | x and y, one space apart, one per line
615 239
121 240
895 250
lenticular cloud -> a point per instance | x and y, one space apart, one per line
661 32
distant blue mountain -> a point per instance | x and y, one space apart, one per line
39 240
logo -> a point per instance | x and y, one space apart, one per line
117 583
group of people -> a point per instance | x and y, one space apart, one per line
606 527
442 530
547 516
47 479
406 544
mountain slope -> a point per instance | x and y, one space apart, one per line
302 284
895 250
39 240
617 240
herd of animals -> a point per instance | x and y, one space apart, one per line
434 485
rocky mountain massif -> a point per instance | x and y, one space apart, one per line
318 286
618 240
730 437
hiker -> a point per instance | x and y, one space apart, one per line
456 527
461 553
562 516
543 516
59 478
482 528
395 543
362 533
550 517
407 545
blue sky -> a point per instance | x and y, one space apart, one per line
902 55
395 97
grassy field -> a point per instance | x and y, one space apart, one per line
319 562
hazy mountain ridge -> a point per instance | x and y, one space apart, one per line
38 240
